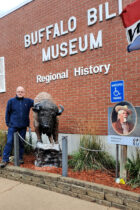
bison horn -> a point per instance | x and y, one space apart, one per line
60 110
36 107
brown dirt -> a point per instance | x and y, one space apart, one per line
95 176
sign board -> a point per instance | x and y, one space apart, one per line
132 138
124 140
117 91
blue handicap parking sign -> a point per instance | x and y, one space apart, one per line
117 91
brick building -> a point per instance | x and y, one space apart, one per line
72 50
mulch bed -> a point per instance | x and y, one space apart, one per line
95 176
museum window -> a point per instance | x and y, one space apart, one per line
2 75
11 6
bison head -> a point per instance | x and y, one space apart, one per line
47 115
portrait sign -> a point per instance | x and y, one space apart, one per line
124 124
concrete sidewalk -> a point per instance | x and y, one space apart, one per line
15 195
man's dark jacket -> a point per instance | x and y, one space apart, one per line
17 112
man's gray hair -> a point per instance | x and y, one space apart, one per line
120 112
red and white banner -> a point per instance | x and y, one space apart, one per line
131 21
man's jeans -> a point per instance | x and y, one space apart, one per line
9 144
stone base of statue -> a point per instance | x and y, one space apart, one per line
48 155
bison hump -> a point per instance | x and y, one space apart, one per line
42 96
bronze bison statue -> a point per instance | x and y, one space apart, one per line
46 115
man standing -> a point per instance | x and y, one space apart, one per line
17 119
122 126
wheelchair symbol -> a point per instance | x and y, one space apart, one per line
116 92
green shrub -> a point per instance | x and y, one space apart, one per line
27 148
91 156
133 169
3 139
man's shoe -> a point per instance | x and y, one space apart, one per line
3 164
21 162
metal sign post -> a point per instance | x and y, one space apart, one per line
123 172
16 149
64 156
117 161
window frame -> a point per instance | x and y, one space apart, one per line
15 8
2 61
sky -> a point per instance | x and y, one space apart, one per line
9 4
